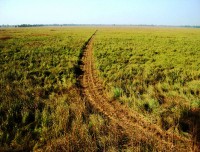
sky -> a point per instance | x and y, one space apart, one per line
157 12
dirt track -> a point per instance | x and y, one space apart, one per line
131 122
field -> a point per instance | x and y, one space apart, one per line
99 89
155 71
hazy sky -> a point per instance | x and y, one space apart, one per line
160 12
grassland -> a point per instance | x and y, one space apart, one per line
155 71
38 69
40 103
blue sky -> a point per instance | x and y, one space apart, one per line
158 12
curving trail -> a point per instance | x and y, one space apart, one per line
132 123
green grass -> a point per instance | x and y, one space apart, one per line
41 106
156 70
37 74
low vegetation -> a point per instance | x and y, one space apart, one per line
155 71
38 72
40 104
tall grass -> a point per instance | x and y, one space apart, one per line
37 74
156 70
42 109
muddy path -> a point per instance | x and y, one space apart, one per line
132 123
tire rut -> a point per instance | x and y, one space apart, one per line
131 122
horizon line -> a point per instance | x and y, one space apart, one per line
72 24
